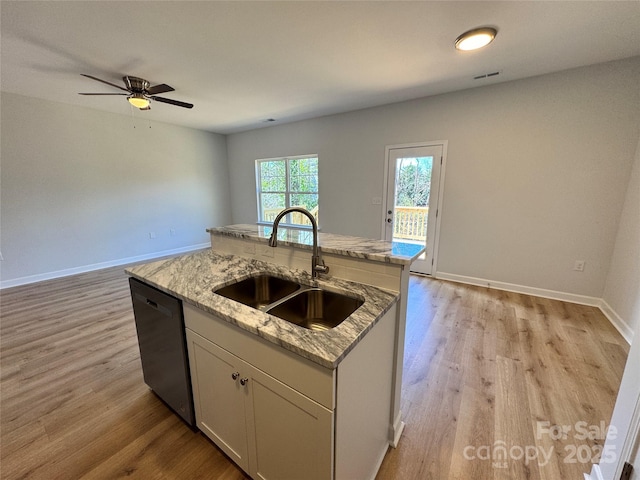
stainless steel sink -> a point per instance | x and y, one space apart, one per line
308 307
259 291
316 309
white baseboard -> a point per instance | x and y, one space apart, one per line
511 287
616 320
98 266
398 427
604 307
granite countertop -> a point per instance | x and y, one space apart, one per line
401 253
193 277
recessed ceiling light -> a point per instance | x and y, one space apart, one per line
476 38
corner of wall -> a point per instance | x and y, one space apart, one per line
621 295
617 321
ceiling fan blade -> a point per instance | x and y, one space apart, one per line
104 81
173 102
103 93
162 88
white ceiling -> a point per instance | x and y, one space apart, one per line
243 62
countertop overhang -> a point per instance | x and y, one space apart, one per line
192 278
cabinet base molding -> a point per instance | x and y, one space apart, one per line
398 428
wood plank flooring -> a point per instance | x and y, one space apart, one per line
490 378
482 368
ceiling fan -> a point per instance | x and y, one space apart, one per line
140 93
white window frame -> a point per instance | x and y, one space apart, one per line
287 193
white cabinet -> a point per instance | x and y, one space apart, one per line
282 417
219 400
270 430
290 433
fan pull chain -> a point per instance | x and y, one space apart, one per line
133 117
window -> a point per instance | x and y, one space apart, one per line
287 182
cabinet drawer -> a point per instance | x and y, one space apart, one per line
308 378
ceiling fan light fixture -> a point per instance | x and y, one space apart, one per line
476 38
138 100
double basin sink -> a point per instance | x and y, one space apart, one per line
309 307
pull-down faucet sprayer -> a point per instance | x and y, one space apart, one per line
317 264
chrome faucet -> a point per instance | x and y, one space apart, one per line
317 264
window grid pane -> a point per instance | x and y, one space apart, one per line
272 204
303 175
273 176
300 175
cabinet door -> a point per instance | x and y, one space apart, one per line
219 398
290 435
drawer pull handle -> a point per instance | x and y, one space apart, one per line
244 381
235 375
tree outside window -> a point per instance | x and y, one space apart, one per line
413 182
287 182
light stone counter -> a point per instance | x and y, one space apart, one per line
192 278
399 253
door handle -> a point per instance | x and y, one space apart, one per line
389 220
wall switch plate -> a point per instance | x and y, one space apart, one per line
579 266
1 257
152 235
172 232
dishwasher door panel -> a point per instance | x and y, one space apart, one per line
161 338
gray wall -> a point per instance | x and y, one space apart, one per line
536 172
81 187
622 290
622 295
537 176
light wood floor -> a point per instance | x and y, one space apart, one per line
482 368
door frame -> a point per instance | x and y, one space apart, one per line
385 188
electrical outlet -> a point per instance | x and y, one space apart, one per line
578 266
249 248
152 235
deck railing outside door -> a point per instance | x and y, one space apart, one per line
296 217
410 223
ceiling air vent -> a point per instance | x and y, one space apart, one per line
487 75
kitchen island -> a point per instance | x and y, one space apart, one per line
284 401
193 278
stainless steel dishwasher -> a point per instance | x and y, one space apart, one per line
163 347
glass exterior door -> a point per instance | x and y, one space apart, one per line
411 211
